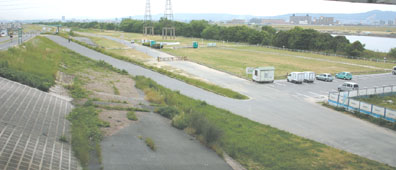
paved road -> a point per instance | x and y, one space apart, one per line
31 123
175 150
14 42
278 108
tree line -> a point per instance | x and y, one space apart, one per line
296 38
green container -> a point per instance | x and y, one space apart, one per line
195 44
152 42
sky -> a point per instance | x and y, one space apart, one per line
100 9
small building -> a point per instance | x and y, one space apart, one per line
300 20
264 74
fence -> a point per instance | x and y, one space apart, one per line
348 101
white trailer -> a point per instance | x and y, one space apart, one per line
263 74
295 77
309 76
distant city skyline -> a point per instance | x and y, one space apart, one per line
90 9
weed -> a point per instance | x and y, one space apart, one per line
150 143
131 115
63 139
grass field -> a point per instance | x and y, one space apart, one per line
235 60
382 101
254 145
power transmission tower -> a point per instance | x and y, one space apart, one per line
148 29
168 10
168 30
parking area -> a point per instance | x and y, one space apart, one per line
320 89
31 125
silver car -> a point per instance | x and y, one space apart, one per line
348 86
325 77
394 70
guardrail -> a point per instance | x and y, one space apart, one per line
350 103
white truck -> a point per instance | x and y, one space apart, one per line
263 74
295 77
309 76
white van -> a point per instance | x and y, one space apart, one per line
295 77
263 74
309 76
348 86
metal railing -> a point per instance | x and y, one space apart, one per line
350 101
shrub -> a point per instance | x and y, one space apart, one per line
198 122
150 143
168 112
211 133
63 139
180 121
131 115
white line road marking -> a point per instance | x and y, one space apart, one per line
280 84
303 95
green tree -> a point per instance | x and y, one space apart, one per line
355 49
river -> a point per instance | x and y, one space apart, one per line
381 44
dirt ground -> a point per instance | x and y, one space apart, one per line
113 90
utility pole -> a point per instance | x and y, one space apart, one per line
168 30
148 28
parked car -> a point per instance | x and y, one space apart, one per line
344 75
295 77
309 76
325 77
348 86
132 41
394 70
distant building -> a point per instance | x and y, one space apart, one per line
237 22
390 22
382 22
300 20
324 21
273 21
63 19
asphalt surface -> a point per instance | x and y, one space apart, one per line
31 124
175 150
14 42
279 108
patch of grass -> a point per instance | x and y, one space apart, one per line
209 87
366 117
34 63
150 143
86 133
76 90
254 145
115 89
131 115
121 108
387 101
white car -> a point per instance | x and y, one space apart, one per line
348 86
394 70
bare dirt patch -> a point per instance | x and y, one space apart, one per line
113 90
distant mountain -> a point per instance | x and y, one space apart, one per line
364 18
